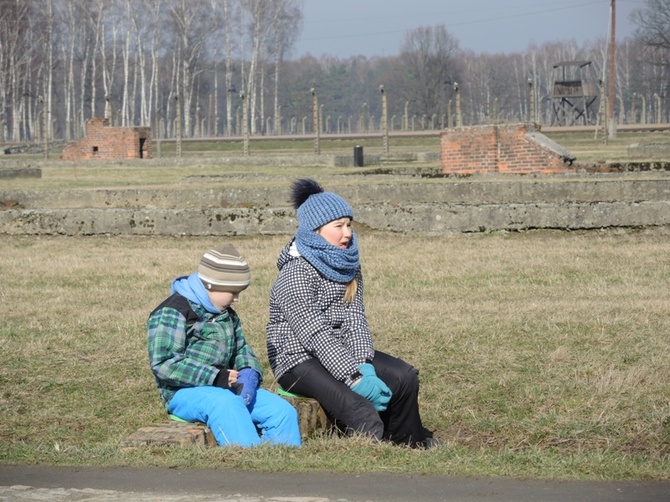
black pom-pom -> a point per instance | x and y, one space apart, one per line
302 189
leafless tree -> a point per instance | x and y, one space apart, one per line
15 54
286 29
653 21
72 40
429 56
191 22
269 24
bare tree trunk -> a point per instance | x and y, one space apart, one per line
15 56
227 13
261 108
286 30
69 80
125 106
79 123
260 13
108 71
5 25
133 92
98 33
174 94
277 115
48 91
193 24
145 103
257 11
154 84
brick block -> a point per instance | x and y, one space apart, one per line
510 148
170 433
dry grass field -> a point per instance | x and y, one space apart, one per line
542 354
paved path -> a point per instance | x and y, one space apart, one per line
38 483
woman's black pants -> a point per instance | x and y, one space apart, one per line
400 423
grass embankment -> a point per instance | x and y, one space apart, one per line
542 354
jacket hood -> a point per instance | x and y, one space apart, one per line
290 252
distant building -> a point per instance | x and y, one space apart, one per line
102 142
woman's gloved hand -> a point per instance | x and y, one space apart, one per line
248 378
371 387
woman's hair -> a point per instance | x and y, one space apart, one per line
350 292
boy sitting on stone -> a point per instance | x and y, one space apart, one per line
204 368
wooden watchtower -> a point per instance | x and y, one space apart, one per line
575 96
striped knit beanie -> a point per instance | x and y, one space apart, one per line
316 207
223 269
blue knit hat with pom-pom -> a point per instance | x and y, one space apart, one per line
316 207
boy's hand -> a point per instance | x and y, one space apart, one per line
249 379
226 379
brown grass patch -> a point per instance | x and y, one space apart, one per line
543 341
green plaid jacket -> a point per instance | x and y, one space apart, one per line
188 345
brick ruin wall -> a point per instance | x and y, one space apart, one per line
512 148
110 143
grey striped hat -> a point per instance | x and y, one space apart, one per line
223 269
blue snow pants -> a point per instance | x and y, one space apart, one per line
232 423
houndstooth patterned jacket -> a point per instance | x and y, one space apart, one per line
310 319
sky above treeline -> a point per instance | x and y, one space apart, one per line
345 28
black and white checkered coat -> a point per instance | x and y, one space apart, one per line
310 319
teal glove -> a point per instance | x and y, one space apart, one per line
384 397
367 369
372 388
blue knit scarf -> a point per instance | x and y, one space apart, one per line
193 289
334 263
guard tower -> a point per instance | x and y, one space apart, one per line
575 96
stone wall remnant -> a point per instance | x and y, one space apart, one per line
102 142
502 148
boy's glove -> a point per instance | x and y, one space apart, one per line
372 387
249 380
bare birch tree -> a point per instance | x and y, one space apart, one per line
71 16
228 15
14 54
192 25
286 29
263 16
429 57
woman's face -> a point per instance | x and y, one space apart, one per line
337 232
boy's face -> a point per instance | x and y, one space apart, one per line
222 299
